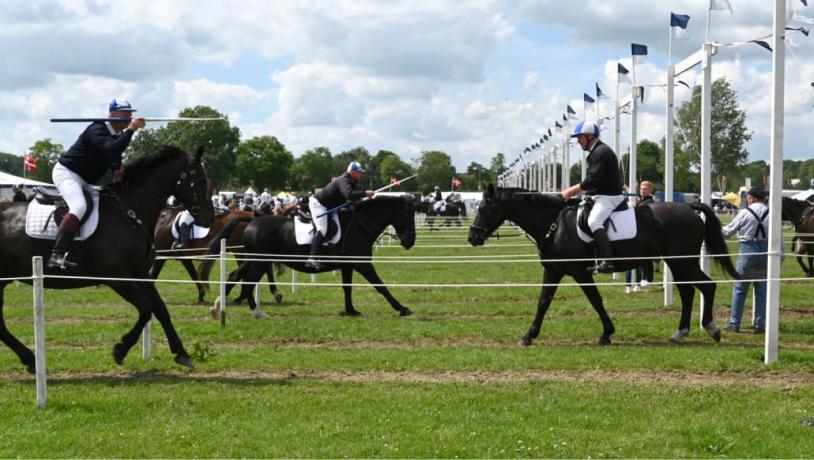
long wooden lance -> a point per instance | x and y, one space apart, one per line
128 119
397 182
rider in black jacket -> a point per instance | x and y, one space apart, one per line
341 190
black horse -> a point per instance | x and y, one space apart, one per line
122 246
451 215
801 215
361 228
664 229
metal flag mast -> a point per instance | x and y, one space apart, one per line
128 119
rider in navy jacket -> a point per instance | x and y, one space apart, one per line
98 149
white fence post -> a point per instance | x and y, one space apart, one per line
147 340
39 333
293 281
222 282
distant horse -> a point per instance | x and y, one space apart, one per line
274 237
121 247
452 214
801 215
664 229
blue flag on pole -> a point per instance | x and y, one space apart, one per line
599 93
639 53
571 114
678 24
587 99
622 73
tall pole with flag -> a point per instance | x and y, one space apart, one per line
639 54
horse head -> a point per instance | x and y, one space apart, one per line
192 189
404 222
490 216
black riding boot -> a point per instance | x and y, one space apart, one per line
315 244
604 252
61 252
184 231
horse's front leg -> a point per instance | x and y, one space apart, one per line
550 280
190 268
801 254
135 294
586 283
347 288
372 277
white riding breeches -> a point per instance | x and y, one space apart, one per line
70 186
603 207
317 209
186 218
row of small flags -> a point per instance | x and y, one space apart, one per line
678 24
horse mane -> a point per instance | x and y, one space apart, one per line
521 195
148 163
383 201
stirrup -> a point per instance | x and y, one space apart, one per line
313 263
61 262
603 266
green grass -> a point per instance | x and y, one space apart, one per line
449 381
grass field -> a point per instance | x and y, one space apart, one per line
450 381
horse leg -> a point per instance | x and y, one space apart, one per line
550 280
158 265
26 356
810 253
686 292
254 274
586 280
232 280
163 316
194 275
347 289
800 254
141 299
372 277
278 297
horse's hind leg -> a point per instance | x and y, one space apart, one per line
708 288
550 281
141 299
190 268
372 277
26 356
278 297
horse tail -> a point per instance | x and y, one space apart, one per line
214 245
715 240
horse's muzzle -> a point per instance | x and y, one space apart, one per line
477 235
407 239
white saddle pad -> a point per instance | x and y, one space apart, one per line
40 214
198 232
623 226
439 206
305 232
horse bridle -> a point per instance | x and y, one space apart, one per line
190 172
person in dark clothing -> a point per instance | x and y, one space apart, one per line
98 149
18 194
341 190
644 274
603 182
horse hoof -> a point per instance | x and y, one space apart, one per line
351 313
525 341
713 331
278 298
119 353
31 368
258 314
604 341
405 312
678 337
185 361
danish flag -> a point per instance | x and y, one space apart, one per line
456 182
30 164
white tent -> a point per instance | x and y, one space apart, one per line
804 195
7 181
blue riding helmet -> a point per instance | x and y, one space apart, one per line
586 127
355 166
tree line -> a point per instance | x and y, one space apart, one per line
265 162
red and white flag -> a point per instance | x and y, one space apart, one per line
30 164
395 181
456 182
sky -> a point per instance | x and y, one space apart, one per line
467 77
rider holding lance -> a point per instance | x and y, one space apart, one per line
341 190
98 149
603 182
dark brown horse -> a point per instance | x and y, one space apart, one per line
801 215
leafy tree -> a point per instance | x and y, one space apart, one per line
392 166
46 153
375 167
435 168
728 134
649 163
498 165
219 140
313 169
479 175
264 162
10 163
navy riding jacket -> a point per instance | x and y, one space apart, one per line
96 151
602 176
339 191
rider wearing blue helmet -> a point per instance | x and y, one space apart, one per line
603 182
339 191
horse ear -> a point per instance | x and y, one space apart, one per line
199 153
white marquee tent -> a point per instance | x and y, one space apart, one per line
7 181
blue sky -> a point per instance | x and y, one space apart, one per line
471 77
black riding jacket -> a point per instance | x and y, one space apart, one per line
602 176
340 190
95 152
